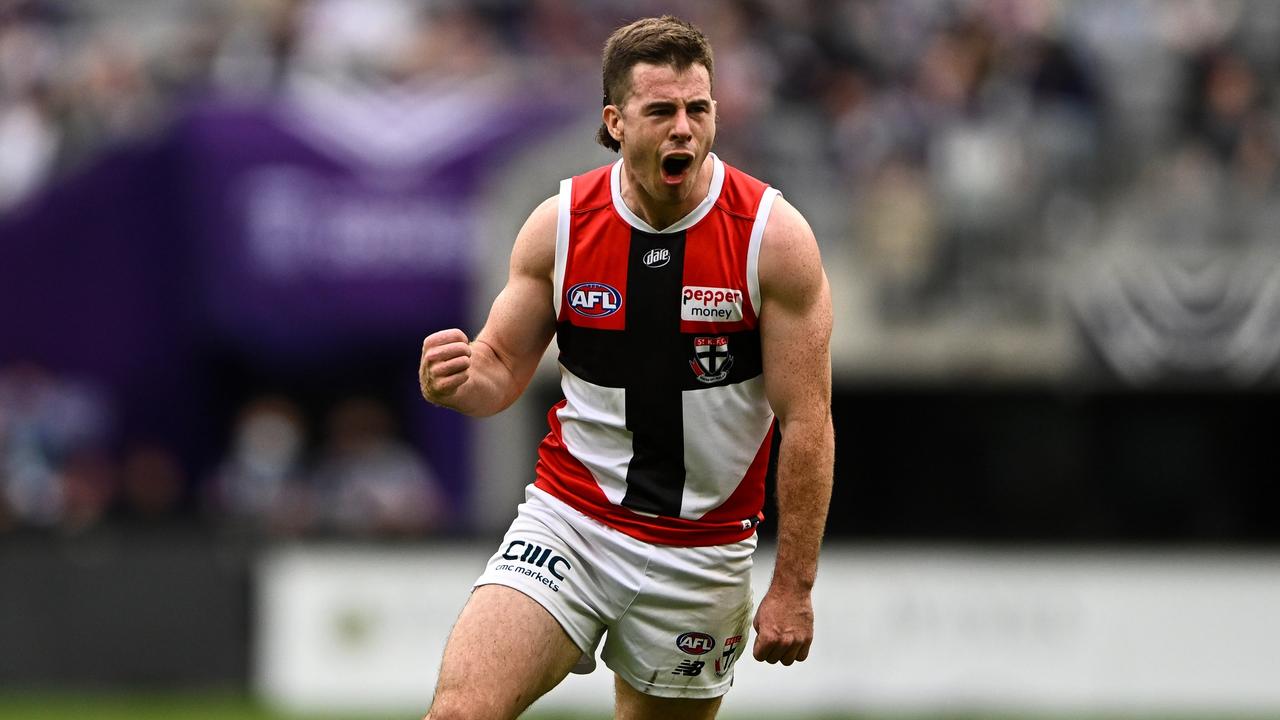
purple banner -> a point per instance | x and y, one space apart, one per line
288 242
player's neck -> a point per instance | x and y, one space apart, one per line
658 213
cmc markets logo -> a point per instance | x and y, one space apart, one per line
527 553
594 299
656 257
696 643
537 556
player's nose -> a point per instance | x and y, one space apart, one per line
680 127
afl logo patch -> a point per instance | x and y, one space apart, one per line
656 257
695 643
593 299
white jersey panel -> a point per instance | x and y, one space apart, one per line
593 426
563 206
723 429
753 249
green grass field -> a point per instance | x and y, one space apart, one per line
229 706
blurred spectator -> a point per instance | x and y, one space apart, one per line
898 239
152 486
53 432
371 482
455 42
90 482
29 62
111 95
1227 112
261 485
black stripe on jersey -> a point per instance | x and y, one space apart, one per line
598 356
656 368
602 357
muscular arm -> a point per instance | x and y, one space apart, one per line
484 376
795 331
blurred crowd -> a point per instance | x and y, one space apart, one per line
966 159
963 162
65 468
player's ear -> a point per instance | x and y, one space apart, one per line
612 118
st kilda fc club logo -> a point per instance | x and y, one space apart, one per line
711 359
729 656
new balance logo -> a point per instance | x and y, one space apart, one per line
689 668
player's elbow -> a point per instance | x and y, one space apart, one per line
809 419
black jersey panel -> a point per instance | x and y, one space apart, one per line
655 412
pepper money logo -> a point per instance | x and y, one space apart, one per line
710 304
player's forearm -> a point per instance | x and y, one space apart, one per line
805 463
491 386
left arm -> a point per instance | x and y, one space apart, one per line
795 334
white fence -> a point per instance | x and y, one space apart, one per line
898 629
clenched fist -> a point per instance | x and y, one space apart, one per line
784 627
445 365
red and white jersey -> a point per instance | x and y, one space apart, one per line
665 432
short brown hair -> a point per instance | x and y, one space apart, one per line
666 40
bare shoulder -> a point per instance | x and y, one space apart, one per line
790 264
534 253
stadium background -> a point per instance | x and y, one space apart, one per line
1051 233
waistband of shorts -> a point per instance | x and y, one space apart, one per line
640 527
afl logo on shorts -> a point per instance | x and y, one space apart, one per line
593 299
696 643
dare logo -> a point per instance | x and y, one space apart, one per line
594 299
695 643
656 257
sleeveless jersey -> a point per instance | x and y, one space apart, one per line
664 432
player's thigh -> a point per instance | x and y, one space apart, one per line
504 652
632 704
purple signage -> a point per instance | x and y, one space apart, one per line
294 235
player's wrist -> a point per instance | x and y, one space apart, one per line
792 587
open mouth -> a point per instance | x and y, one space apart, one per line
675 167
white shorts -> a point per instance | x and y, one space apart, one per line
676 618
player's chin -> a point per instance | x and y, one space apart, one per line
675 192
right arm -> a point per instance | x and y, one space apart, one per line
484 376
